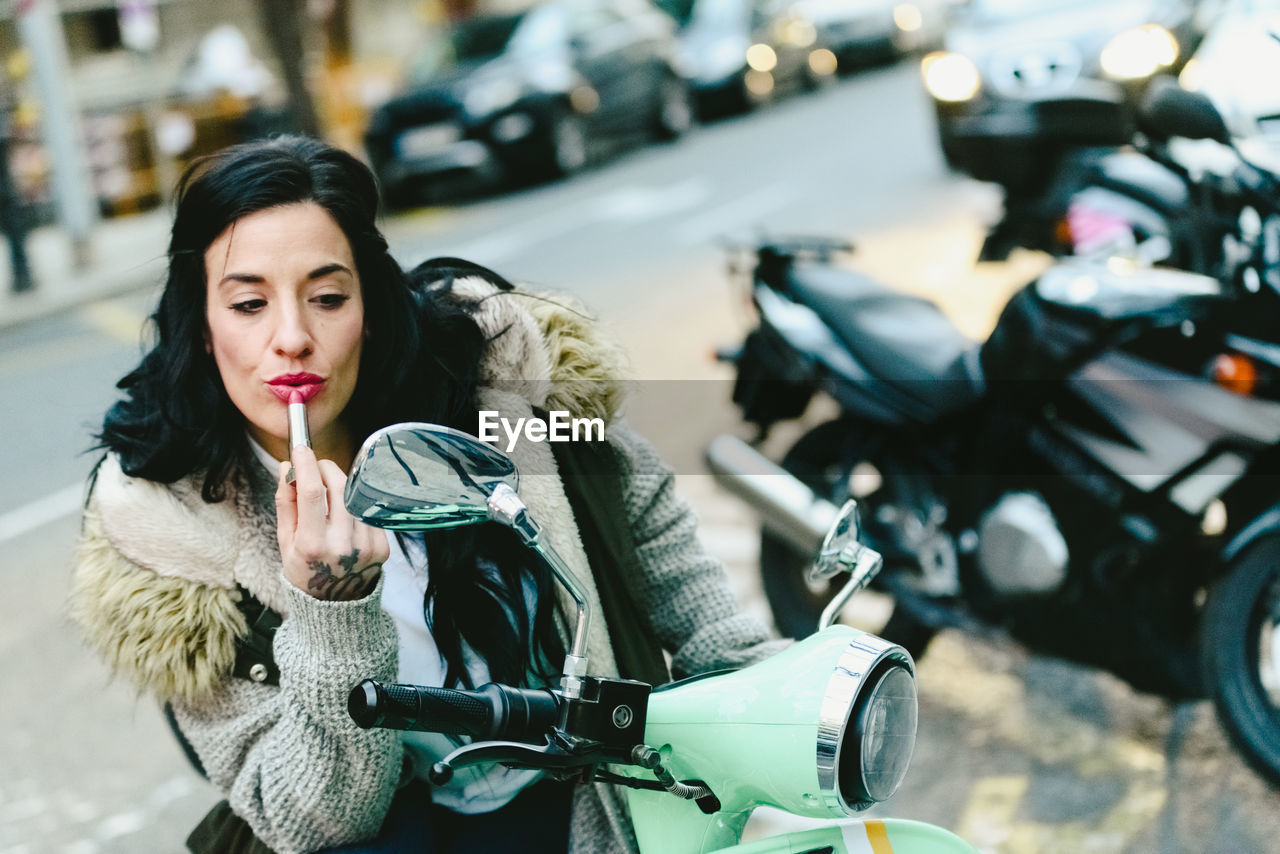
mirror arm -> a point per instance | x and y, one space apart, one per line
863 565
506 508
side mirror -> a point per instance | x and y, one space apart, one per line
1173 111
419 477
416 477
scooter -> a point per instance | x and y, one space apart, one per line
824 729
1097 478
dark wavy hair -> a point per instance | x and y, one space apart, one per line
419 362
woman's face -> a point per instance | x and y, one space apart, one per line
284 312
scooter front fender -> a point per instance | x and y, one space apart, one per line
878 836
674 827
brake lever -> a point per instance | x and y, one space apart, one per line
559 752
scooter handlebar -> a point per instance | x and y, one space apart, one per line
492 711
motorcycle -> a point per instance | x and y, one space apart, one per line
1097 478
823 729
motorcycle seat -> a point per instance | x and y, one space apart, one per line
904 340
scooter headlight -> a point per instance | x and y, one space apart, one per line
868 725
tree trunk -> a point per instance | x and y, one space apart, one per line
284 22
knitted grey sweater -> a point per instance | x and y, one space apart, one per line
155 590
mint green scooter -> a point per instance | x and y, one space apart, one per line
824 729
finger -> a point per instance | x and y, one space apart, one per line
286 508
312 496
335 482
375 540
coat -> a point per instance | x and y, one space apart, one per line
158 571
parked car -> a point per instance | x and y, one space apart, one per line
1020 74
532 94
862 31
739 53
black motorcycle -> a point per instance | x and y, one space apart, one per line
1098 478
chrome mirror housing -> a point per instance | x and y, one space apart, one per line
421 477
415 477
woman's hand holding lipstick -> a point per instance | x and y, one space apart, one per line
325 551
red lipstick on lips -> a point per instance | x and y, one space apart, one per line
285 385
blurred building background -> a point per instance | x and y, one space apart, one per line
155 83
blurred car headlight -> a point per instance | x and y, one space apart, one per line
950 77
823 62
907 17
762 58
1139 53
490 96
1192 76
799 32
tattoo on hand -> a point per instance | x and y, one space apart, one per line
352 583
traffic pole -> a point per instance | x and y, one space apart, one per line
40 30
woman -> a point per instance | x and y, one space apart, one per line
198 541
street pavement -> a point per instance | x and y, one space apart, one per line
1018 753
124 254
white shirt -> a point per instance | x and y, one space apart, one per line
474 789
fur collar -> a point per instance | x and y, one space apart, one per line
547 349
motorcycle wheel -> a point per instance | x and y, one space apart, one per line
819 459
1241 655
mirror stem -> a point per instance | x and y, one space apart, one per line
506 508
863 565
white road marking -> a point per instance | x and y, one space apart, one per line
629 204
735 213
41 512
495 248
643 204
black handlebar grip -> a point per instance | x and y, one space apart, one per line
492 712
416 707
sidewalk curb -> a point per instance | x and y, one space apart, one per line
125 254
21 309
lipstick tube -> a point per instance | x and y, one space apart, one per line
299 434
